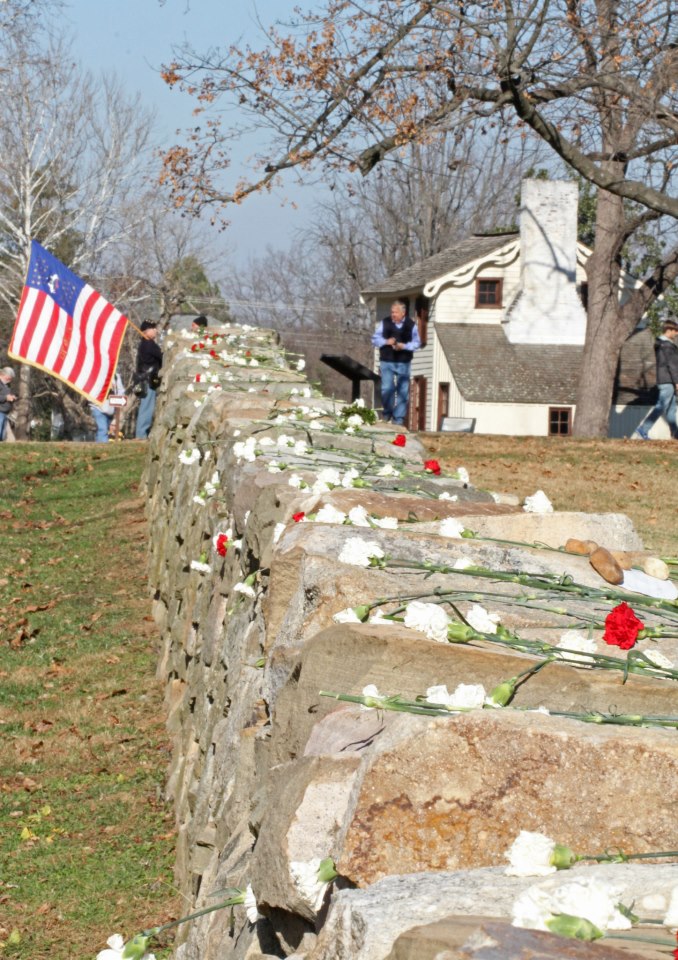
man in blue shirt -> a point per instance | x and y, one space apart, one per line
397 338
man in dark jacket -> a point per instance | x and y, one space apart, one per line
7 398
666 353
149 361
397 338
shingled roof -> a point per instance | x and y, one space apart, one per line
489 369
413 278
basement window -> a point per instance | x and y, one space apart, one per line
488 293
560 421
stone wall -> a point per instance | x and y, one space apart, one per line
269 778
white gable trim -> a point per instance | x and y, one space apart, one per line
462 276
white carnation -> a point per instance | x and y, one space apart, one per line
585 897
305 879
481 620
427 618
379 620
538 503
346 616
358 516
530 855
245 589
189 456
200 566
447 496
467 696
462 563
329 514
449 527
250 905
370 691
358 552
388 470
462 474
349 477
330 476
386 523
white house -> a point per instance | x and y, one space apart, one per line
503 323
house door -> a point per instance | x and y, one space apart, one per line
416 418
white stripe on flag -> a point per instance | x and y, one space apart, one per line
106 359
23 320
95 313
57 341
40 330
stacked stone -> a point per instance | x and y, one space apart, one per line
269 778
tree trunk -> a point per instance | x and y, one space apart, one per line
23 408
606 329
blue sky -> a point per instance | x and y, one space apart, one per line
134 37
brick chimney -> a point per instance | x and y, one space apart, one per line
547 308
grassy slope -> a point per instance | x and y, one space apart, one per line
86 840
597 476
86 844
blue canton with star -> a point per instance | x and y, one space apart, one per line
50 275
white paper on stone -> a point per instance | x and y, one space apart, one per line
640 582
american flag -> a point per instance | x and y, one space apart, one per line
66 328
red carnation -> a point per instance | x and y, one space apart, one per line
622 627
213 353
432 466
298 517
194 347
220 544
197 378
400 440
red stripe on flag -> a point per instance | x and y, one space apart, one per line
48 335
28 317
99 360
65 343
82 321
15 344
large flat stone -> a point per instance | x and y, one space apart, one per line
463 938
346 658
303 807
611 530
365 924
449 794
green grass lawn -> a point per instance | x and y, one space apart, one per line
86 847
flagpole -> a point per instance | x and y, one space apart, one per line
138 329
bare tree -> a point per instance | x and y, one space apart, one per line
596 80
72 152
165 264
415 205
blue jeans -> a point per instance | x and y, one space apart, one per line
3 417
395 390
145 415
103 423
664 407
